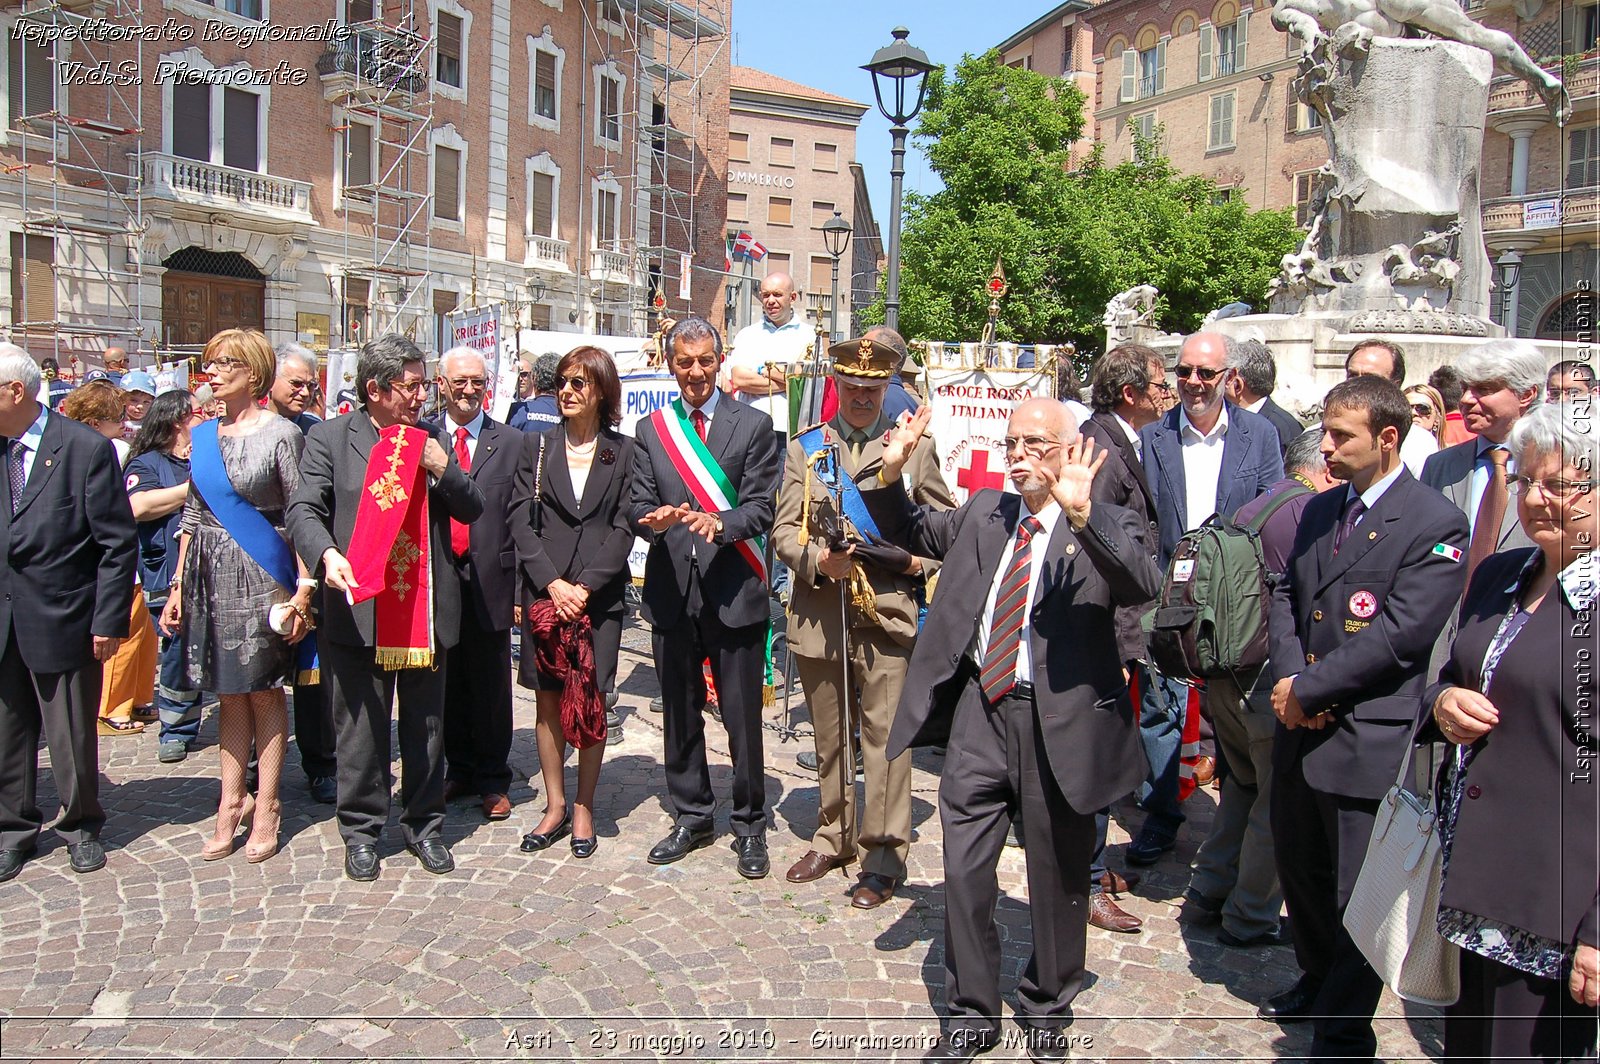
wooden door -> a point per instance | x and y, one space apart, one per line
196 306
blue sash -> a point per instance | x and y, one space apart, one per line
253 532
832 477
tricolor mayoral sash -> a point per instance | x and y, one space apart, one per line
262 543
706 481
390 549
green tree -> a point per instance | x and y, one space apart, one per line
1000 140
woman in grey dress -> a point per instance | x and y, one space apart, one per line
225 598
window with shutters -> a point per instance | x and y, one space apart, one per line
30 76
241 129
1580 28
355 155
608 113
738 207
546 63
1145 136
544 196
449 66
1223 48
359 10
822 274
544 85
738 147
1153 70
607 202
780 210
1305 184
447 164
1303 119
1583 158
821 212
33 278
825 157
781 151
250 9
1220 134
191 120
778 262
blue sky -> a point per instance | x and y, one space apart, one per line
822 43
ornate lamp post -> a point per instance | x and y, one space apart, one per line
903 69
835 237
1510 266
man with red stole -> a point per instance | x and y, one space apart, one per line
377 495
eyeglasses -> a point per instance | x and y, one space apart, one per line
1561 395
1032 446
299 386
578 383
1206 376
224 364
461 384
1422 409
1558 488
523 375
1161 386
408 389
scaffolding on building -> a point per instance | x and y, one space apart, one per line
380 76
79 168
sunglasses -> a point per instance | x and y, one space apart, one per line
1183 373
577 384
1422 409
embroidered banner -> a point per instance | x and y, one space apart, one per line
389 549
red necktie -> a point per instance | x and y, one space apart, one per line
460 535
999 672
699 419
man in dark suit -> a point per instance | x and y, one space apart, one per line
1255 375
706 504
1127 390
1203 457
477 695
66 589
1028 694
1375 570
322 518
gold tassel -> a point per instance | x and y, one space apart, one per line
769 696
308 677
862 597
393 658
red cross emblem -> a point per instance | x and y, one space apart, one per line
977 476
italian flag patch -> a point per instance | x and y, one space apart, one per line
1445 550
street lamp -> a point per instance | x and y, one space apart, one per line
1510 266
835 237
905 68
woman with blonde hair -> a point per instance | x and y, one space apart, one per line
128 683
1427 409
241 598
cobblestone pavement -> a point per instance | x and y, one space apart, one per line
542 957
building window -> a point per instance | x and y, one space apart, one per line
1583 158
822 275
1146 138
1303 119
1022 62
194 113
541 204
31 66
355 150
241 129
1222 48
1220 134
780 211
607 201
1304 184
33 278
250 9
781 152
544 85
608 116
778 262
360 10
191 120
447 183
546 63
1580 28
738 147
1144 72
825 157
820 212
449 54
738 207
444 304
1223 195
1066 49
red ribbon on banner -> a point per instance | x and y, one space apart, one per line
390 550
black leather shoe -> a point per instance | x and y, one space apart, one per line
583 849
1047 1045
1148 847
361 862
324 789
753 860
533 842
87 856
679 841
962 1044
1266 938
1291 1006
11 862
433 855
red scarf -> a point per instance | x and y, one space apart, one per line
565 650
390 549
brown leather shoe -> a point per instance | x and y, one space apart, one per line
496 806
1119 882
1205 770
1108 916
872 890
813 866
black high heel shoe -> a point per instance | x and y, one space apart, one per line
533 842
583 849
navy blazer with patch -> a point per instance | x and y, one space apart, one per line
1356 628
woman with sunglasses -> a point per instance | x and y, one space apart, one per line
573 537
1516 793
233 563
158 486
1427 409
127 685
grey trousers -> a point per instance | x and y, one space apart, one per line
1236 861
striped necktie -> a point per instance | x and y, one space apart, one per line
999 672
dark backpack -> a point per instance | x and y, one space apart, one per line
1211 617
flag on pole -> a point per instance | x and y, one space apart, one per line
747 245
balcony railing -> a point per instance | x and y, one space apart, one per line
548 253
1511 93
611 266
206 184
1543 210
385 61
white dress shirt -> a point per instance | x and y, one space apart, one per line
762 344
473 427
1038 546
1202 467
1133 435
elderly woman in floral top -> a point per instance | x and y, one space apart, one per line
1520 793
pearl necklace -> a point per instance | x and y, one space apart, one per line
583 448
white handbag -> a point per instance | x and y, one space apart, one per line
1394 909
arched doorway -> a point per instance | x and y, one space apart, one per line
1572 318
204 292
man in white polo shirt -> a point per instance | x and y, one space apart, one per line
762 352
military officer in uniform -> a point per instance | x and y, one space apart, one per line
840 568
